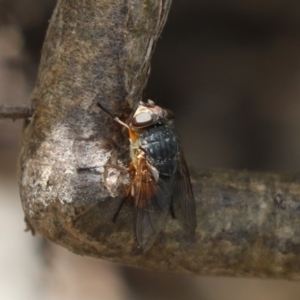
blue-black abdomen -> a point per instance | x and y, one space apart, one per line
162 148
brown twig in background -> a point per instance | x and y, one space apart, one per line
100 50
16 111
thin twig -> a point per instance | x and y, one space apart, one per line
16 111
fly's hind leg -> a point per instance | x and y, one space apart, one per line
129 169
128 195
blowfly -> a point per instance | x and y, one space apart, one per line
160 181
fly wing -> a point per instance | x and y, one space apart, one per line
183 202
152 197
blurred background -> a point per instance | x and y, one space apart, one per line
230 70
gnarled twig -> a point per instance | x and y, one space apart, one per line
100 50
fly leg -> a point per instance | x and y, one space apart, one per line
132 135
130 169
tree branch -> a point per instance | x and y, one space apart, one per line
100 50
16 112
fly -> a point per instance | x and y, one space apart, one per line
160 181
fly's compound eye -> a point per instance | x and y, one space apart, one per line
143 119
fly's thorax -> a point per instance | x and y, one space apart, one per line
162 148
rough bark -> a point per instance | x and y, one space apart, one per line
100 50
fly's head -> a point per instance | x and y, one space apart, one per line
148 114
